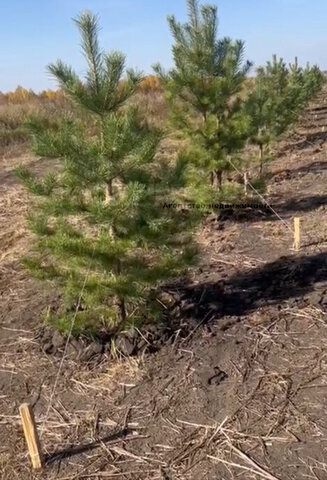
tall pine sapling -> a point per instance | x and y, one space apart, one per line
272 105
205 89
99 221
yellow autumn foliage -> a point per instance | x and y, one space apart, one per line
151 83
22 95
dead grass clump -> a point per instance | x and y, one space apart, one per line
153 107
13 118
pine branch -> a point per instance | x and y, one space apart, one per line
88 26
39 187
67 78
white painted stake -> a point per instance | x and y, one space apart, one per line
246 181
297 237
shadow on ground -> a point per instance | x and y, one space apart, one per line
301 204
112 439
316 167
295 205
287 278
312 140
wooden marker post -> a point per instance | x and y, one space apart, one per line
297 238
246 181
31 435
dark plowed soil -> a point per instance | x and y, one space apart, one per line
240 389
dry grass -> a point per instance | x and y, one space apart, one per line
14 201
153 106
14 137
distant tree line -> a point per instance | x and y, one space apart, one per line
21 95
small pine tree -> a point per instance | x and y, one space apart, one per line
279 96
100 223
313 81
273 104
204 89
303 85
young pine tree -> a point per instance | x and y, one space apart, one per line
273 104
204 89
279 96
99 221
313 81
303 85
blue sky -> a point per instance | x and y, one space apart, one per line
36 32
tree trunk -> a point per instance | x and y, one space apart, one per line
122 308
212 178
261 160
108 192
121 301
219 178
107 200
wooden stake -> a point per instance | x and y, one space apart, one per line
297 238
31 435
245 178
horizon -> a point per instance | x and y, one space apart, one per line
36 34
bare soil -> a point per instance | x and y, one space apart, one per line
241 395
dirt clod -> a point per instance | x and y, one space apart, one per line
125 345
58 340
